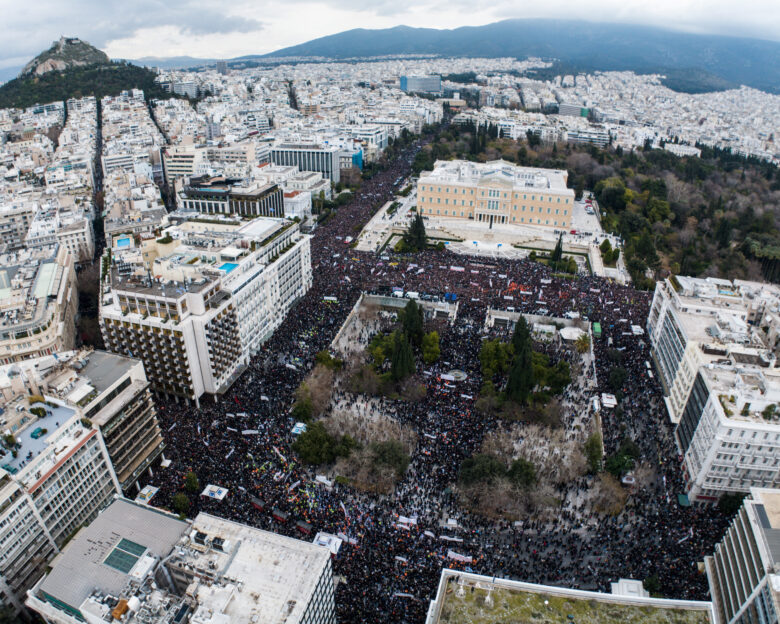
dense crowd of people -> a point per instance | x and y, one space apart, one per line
396 545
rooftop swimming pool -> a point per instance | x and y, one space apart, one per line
122 242
227 267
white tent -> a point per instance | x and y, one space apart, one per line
214 491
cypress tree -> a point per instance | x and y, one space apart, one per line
402 361
521 377
415 237
412 322
557 252
521 338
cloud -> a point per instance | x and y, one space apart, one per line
28 29
206 28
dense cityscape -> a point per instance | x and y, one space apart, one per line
395 339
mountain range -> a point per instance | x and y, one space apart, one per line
691 62
586 46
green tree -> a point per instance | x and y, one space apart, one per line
594 451
557 253
521 376
402 359
191 483
180 502
415 238
605 246
522 473
480 468
390 453
315 445
431 351
412 322
521 337
617 377
303 409
582 344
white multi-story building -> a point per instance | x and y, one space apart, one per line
55 475
141 565
729 432
695 321
219 291
744 570
38 303
309 157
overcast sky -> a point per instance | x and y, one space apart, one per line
210 29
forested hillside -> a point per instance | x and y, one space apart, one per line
710 216
98 80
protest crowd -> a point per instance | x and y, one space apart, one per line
396 544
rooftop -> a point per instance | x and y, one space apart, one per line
104 369
278 573
764 514
30 438
474 599
466 172
118 546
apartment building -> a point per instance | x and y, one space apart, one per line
111 391
137 565
224 196
729 433
120 405
15 220
494 193
184 161
195 304
309 157
71 229
38 302
694 322
55 475
744 570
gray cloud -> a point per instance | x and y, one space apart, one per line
25 31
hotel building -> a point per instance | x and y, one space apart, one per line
195 304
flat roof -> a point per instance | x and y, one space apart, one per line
118 535
104 369
279 573
31 437
512 601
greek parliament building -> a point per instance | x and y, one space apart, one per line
496 192
196 303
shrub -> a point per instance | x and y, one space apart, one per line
191 483
481 468
181 502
